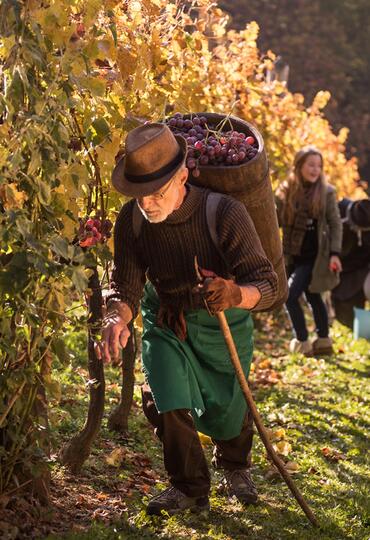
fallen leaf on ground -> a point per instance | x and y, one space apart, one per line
116 457
283 447
291 468
331 454
279 433
264 364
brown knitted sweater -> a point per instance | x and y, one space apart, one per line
164 253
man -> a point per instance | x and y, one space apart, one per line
354 286
191 384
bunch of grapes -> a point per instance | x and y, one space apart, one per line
207 146
92 230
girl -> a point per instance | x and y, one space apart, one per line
312 238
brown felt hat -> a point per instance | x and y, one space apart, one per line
152 156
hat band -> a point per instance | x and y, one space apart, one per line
141 178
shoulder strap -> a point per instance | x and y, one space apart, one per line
213 200
137 220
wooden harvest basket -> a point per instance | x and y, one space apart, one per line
250 184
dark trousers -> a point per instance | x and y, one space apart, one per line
344 309
183 455
299 281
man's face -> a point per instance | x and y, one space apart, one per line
158 206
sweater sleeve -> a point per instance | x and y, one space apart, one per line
128 275
243 251
334 222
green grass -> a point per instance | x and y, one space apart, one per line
320 403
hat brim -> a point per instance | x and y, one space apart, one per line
136 189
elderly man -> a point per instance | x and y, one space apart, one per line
190 382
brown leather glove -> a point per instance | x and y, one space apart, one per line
220 293
172 318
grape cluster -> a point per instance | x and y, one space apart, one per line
207 146
92 230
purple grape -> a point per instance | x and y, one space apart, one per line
196 120
180 123
191 163
172 122
193 132
203 160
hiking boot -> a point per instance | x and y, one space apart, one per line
303 347
239 483
173 501
322 346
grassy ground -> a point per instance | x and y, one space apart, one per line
316 410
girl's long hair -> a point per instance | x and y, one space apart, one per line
293 193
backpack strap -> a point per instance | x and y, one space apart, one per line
213 200
137 221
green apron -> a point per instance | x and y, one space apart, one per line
197 374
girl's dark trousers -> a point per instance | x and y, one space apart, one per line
299 280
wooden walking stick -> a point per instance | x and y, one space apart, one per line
257 418
225 329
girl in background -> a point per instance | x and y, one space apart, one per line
312 237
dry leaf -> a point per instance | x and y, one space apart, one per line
116 457
279 434
264 364
204 439
331 454
292 467
283 447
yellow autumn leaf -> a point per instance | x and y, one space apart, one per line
292 467
279 433
283 447
116 457
108 150
126 61
11 197
204 439
321 99
139 321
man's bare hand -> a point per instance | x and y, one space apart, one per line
115 334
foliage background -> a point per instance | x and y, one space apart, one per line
326 45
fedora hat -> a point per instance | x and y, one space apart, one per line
152 156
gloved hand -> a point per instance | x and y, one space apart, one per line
219 293
172 318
